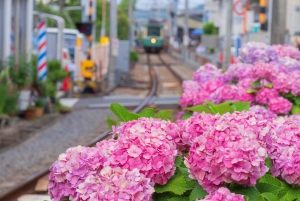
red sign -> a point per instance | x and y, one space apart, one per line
238 7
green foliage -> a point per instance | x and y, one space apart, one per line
55 71
11 102
134 56
39 103
256 83
221 109
3 96
187 115
124 115
19 71
210 29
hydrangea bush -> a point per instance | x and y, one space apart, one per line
263 75
228 145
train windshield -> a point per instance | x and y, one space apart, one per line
153 31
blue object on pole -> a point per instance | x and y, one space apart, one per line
197 32
238 45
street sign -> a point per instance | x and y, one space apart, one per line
238 7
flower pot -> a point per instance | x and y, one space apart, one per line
33 113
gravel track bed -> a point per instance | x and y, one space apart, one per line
76 128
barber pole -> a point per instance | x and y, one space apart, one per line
42 53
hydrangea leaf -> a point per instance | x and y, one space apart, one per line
269 85
290 194
241 106
178 161
268 163
270 197
111 122
164 115
122 113
176 184
186 115
178 199
296 109
163 196
212 106
148 112
250 192
223 109
250 91
197 192
200 109
297 100
268 188
256 83
119 110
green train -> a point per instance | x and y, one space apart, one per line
153 38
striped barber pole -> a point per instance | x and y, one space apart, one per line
42 53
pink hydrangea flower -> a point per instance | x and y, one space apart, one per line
284 150
72 168
295 80
239 71
246 83
206 73
228 92
265 95
116 184
230 151
280 105
282 83
260 110
264 71
287 51
242 95
196 126
149 145
223 194
211 86
107 146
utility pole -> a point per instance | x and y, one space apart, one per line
103 18
131 24
270 21
112 46
186 30
228 34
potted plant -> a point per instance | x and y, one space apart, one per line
35 111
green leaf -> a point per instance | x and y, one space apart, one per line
197 193
164 115
178 161
120 111
269 85
296 109
290 195
250 91
200 109
148 112
223 109
256 83
241 106
225 103
111 122
186 115
132 116
176 184
212 106
163 196
268 163
251 192
297 100
268 188
178 199
270 196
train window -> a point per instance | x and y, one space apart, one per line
153 31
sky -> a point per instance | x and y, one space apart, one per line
147 4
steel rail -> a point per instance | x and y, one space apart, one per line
35 177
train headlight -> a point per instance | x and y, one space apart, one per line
153 40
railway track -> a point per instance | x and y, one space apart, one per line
26 186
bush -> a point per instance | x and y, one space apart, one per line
210 29
134 56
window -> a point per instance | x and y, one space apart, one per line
153 31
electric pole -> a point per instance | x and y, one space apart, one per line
131 24
112 43
228 34
186 30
